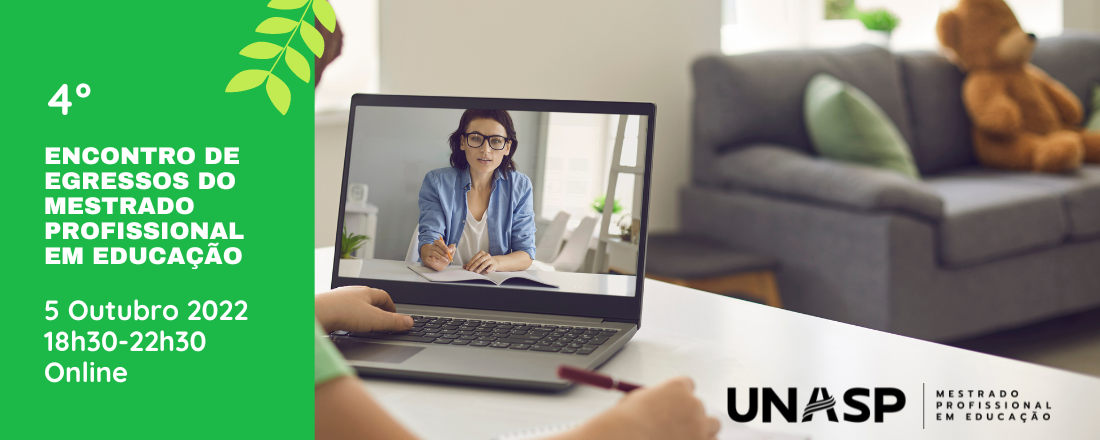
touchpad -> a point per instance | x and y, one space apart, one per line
372 352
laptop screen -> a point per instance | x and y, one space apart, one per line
524 196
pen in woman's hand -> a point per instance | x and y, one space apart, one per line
450 258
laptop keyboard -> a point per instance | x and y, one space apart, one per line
497 334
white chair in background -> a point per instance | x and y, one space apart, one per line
576 249
411 256
548 247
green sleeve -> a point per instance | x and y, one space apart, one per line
328 364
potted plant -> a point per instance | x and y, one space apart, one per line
600 201
626 229
839 9
349 266
880 23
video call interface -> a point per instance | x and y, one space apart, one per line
518 200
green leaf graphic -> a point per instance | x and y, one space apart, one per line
279 93
286 4
248 79
261 50
313 39
297 64
277 90
323 11
276 25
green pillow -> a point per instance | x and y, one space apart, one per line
845 124
1094 120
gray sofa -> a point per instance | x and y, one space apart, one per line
964 251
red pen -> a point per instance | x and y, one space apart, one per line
595 379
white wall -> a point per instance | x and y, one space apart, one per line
636 50
1082 14
356 69
330 139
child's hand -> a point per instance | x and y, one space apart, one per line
359 309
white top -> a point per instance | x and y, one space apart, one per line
474 239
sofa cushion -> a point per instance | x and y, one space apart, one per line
844 124
941 127
933 88
1079 193
1093 122
757 98
785 173
987 216
1073 59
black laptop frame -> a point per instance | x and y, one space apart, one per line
613 308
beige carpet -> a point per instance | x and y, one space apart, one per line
1069 343
1074 353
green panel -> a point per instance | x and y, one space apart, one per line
158 73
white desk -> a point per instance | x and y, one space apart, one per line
599 284
724 342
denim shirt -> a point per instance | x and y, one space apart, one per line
511 215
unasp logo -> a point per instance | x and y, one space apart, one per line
820 401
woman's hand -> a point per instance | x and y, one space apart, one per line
482 262
437 255
359 309
665 411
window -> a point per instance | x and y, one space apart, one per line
578 165
755 25
574 173
356 69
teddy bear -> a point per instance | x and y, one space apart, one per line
1022 118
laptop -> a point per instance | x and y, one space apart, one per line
564 230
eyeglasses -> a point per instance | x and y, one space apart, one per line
476 140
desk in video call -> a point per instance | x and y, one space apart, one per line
598 284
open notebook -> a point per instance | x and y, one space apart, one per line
455 274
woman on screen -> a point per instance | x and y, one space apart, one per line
478 211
